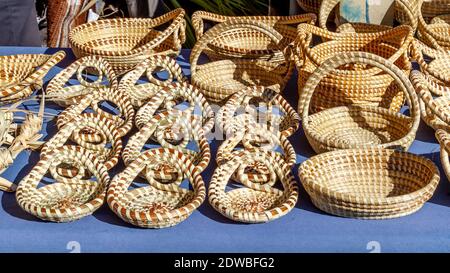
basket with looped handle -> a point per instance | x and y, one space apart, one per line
65 91
220 79
254 202
370 183
67 199
248 43
356 84
140 93
21 74
182 98
125 42
157 205
359 126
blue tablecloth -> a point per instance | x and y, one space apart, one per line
304 229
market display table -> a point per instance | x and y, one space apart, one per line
304 229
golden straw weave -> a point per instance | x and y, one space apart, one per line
126 42
66 93
358 126
140 93
67 199
372 183
444 140
253 203
21 74
151 207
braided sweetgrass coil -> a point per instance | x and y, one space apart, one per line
140 93
67 199
152 207
254 203
64 92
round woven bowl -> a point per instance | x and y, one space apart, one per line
368 183
68 199
444 140
65 94
126 42
359 126
254 203
263 105
21 74
122 120
148 206
247 43
177 94
354 84
140 93
218 80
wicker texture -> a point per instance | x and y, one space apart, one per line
67 199
126 42
354 84
249 43
357 126
21 74
310 5
140 93
218 80
444 140
254 203
149 206
369 183
65 92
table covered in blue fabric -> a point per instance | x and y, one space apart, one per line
304 229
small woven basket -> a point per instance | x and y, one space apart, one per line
354 84
126 42
218 80
248 43
140 93
67 199
254 203
148 206
21 74
357 126
62 89
370 183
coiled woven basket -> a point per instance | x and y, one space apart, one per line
358 126
444 140
21 74
369 183
125 42
354 84
218 80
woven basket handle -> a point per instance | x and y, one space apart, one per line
444 140
418 50
199 17
365 58
305 33
212 33
411 12
326 8
37 76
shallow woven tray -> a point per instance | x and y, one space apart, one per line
369 183
148 206
140 93
218 80
67 199
65 94
254 203
125 42
359 126
21 74
354 84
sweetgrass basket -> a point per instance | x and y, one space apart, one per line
249 43
218 80
67 199
255 202
444 140
125 42
370 183
359 126
356 84
149 206
21 74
